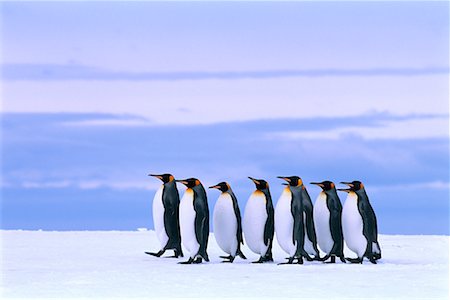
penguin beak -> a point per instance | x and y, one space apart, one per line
318 183
345 190
284 178
254 180
157 176
182 181
347 183
215 187
284 183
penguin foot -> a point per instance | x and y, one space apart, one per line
373 260
300 260
354 260
308 258
198 260
342 259
229 257
188 262
289 262
259 261
157 254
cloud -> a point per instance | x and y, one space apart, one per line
391 129
80 72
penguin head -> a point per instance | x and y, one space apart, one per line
163 177
325 185
353 186
223 186
190 182
292 180
261 184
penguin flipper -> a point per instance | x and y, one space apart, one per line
237 213
171 201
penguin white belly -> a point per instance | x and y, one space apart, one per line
254 221
352 226
284 223
187 223
158 218
225 224
322 223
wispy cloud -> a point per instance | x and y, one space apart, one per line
392 129
81 72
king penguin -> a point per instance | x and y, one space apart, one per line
359 224
166 205
310 236
327 220
290 219
194 220
227 223
258 223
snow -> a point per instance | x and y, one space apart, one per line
107 264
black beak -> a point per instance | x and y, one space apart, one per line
317 183
253 179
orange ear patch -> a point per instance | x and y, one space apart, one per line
171 178
197 182
332 185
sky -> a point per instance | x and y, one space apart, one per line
96 95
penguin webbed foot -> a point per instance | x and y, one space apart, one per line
259 261
157 254
198 260
289 262
354 260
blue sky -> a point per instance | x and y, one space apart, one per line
97 95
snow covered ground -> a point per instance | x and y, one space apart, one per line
107 264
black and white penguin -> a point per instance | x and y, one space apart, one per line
290 219
327 221
359 224
258 223
227 223
194 220
310 236
166 216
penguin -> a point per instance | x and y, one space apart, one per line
310 236
327 221
227 223
290 219
166 216
194 220
359 224
258 223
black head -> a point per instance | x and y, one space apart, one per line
292 180
223 186
325 185
261 184
163 177
190 182
353 186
